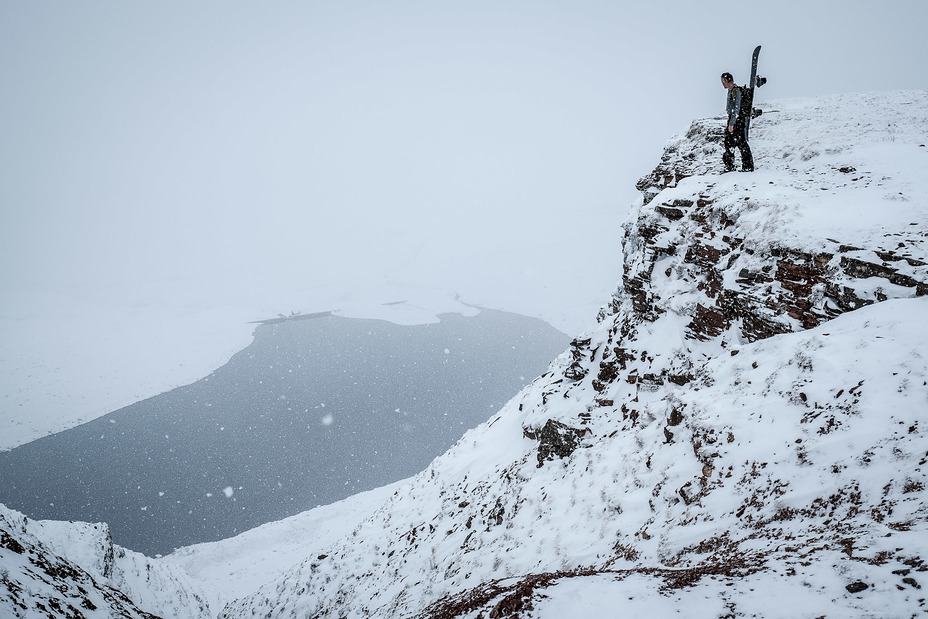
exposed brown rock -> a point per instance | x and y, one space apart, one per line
707 323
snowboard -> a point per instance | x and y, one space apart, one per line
748 97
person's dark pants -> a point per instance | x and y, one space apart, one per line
733 139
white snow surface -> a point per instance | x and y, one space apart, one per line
229 569
798 468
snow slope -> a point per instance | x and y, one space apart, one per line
232 568
742 434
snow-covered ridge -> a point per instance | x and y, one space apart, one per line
67 569
741 435
742 427
74 568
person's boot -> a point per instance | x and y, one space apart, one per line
747 161
728 160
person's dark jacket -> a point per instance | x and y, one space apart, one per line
733 106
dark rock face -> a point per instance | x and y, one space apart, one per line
576 370
799 276
555 440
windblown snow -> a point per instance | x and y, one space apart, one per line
743 434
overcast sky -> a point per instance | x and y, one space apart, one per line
182 141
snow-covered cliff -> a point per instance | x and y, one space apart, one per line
743 434
732 437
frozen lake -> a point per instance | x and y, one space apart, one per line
314 410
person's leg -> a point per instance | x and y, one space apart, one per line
728 159
747 157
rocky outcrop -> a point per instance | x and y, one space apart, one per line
697 152
555 440
759 288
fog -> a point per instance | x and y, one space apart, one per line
173 141
170 171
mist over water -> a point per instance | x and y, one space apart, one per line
315 410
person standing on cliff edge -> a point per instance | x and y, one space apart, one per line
735 134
